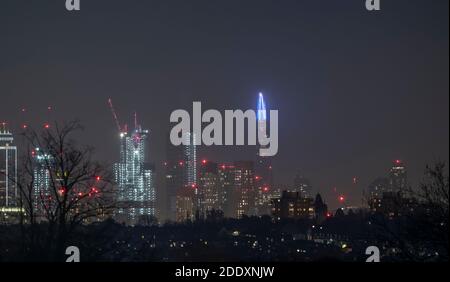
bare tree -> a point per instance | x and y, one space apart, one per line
421 233
432 223
61 187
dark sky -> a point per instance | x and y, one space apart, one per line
354 89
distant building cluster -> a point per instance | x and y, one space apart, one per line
229 188
390 195
194 188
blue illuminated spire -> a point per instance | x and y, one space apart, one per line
261 108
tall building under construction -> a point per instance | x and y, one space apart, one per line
135 178
133 175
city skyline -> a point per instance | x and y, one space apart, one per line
184 173
339 118
332 193
227 138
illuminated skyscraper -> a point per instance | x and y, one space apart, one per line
190 157
8 169
135 178
41 184
180 172
264 176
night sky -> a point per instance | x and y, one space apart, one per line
354 89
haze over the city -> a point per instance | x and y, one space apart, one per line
354 90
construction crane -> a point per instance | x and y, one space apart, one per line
116 119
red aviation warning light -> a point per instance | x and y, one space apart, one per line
93 191
62 190
341 198
24 124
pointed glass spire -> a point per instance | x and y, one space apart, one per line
261 108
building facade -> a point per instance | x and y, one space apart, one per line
243 195
292 205
226 173
186 209
209 188
181 171
190 160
